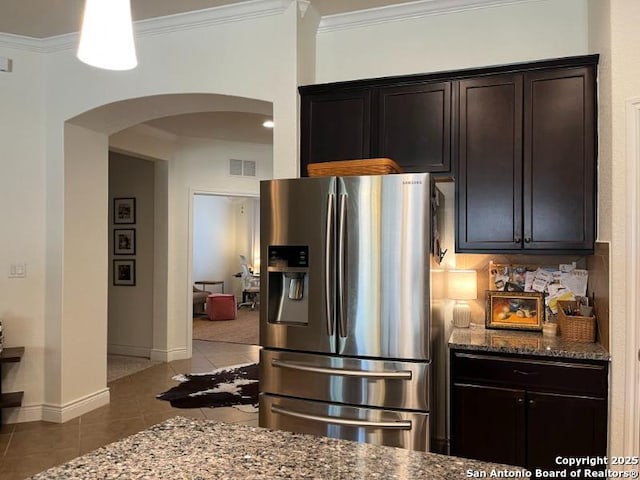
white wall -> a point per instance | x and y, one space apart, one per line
615 35
202 166
213 240
130 314
22 187
60 225
474 38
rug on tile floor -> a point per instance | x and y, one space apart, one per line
234 386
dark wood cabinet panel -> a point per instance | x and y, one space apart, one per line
526 162
489 424
516 410
576 425
414 126
559 163
489 195
335 126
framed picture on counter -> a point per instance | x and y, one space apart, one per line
514 310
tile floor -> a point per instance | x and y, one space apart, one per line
29 448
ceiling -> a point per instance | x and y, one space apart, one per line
231 126
48 18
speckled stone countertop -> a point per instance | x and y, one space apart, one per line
522 342
183 448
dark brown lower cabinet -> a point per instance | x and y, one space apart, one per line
527 411
489 424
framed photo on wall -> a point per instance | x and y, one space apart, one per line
514 310
124 273
124 241
124 210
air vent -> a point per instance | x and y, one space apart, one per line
242 168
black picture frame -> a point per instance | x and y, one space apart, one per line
124 272
124 210
124 241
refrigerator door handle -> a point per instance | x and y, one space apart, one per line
395 375
342 231
400 425
328 267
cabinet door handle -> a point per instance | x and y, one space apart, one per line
518 240
522 372
520 401
532 403
527 240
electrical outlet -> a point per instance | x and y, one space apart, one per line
18 270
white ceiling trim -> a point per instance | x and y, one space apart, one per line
157 26
406 11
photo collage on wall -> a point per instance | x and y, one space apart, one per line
124 241
555 282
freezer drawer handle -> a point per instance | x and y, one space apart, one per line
401 425
398 374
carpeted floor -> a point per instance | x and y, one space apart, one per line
244 329
119 366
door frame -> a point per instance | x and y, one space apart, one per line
192 193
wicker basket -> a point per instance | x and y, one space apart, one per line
575 328
369 166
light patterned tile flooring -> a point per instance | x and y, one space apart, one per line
29 448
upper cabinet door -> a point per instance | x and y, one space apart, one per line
414 126
559 163
334 126
489 177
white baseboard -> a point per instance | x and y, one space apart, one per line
169 355
129 350
56 413
64 413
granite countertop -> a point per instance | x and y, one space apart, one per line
182 448
521 342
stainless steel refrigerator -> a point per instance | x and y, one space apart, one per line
345 307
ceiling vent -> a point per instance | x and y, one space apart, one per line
242 168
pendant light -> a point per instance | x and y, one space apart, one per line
106 38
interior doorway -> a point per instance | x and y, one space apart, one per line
225 232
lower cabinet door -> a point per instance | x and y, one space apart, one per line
488 423
564 426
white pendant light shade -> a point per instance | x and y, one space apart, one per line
106 39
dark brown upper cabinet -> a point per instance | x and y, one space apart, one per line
518 139
335 126
414 126
409 123
489 180
526 163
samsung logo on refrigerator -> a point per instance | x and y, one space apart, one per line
412 182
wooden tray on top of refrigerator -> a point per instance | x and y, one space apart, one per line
368 166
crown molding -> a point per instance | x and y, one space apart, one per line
406 11
157 26
19 42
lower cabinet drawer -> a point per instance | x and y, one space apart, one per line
541 374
